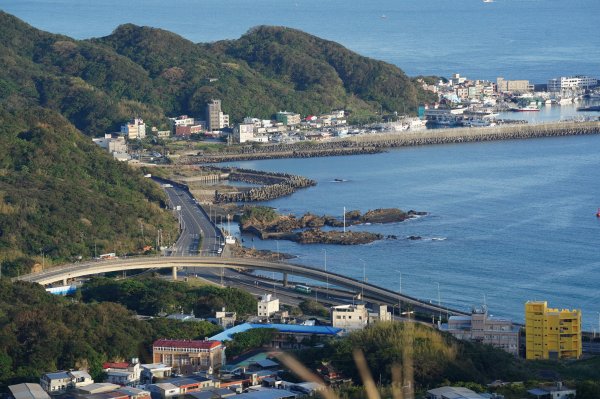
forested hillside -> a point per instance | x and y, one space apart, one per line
41 333
97 84
62 197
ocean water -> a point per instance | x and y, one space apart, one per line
508 221
517 39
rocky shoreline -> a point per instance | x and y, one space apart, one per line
274 185
265 223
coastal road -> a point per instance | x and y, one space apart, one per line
371 291
199 236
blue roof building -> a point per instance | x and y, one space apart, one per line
285 331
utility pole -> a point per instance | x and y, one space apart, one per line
439 302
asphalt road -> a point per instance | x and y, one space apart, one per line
199 236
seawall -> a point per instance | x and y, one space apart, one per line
378 142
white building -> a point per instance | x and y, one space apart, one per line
61 381
243 132
225 319
350 317
267 305
135 129
124 373
153 371
116 146
578 82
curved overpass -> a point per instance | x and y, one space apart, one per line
63 273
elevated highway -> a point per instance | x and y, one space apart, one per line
64 273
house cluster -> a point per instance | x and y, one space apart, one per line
183 369
290 127
198 369
467 102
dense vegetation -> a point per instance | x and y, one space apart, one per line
151 296
439 359
252 339
62 197
313 308
40 333
97 84
66 196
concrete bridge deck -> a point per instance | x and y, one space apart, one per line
63 273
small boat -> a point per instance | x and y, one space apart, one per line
598 213
488 1
532 107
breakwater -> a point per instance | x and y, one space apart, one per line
275 185
277 151
377 142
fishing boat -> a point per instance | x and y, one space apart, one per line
531 107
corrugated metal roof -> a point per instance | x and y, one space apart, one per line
285 328
28 391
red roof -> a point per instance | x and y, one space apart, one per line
115 365
182 343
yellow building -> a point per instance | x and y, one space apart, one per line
552 333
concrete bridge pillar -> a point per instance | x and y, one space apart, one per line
285 279
174 273
64 281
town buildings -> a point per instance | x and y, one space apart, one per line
267 305
288 118
552 333
481 327
189 355
243 132
350 317
453 393
513 86
215 118
185 126
578 82
62 381
556 391
28 391
225 319
114 145
123 373
135 129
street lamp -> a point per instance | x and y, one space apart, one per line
326 275
439 302
362 294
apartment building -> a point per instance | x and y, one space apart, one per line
552 333
481 327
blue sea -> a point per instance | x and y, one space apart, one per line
517 39
508 221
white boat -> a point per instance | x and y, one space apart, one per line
488 1
531 107
565 100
